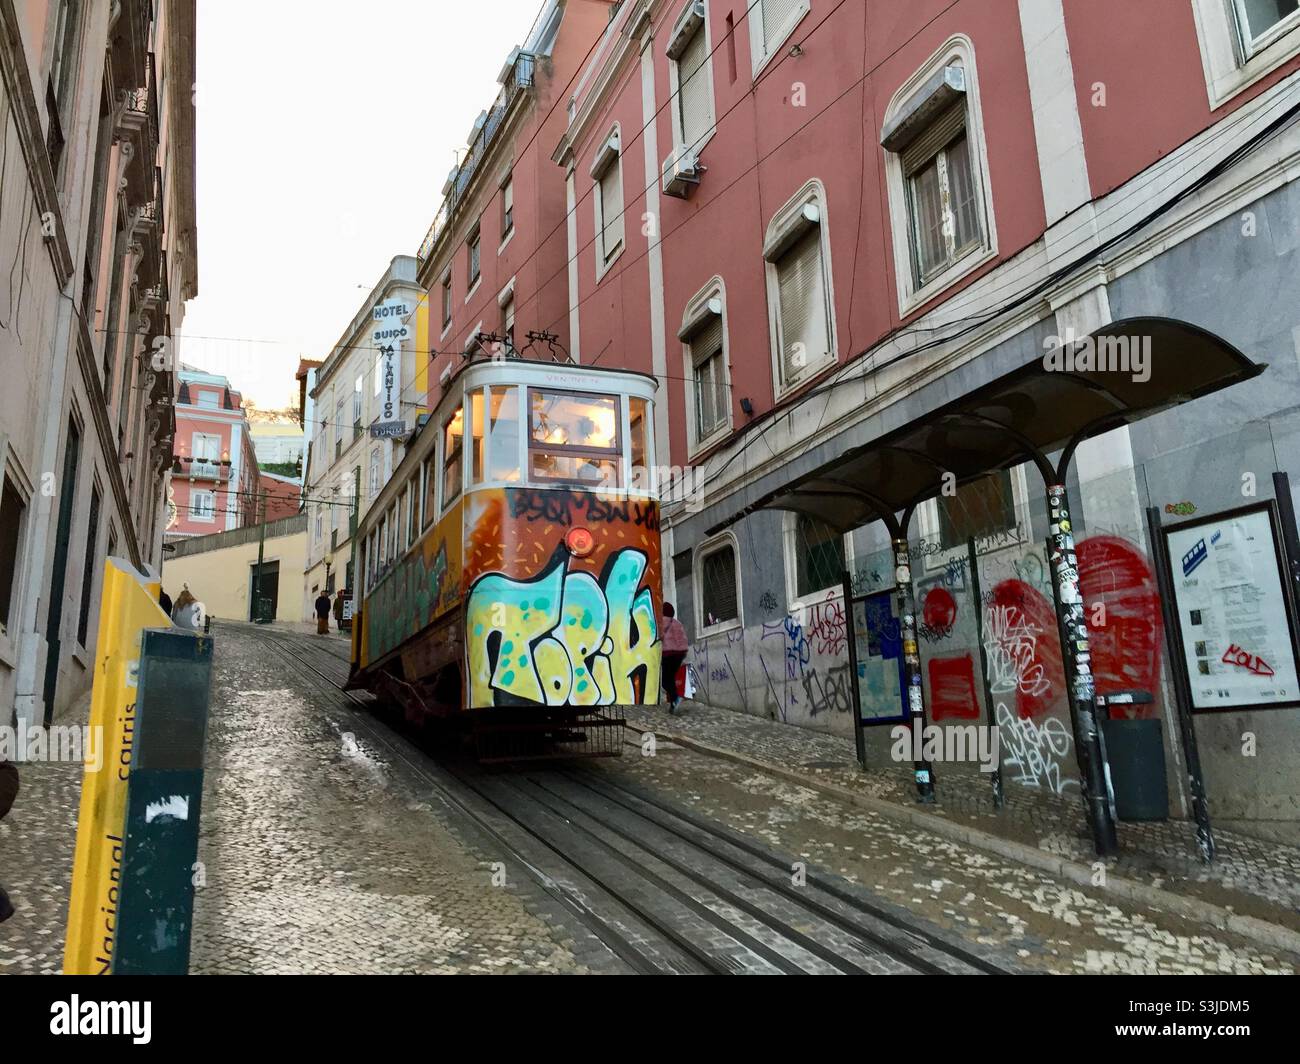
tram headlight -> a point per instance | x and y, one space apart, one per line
580 542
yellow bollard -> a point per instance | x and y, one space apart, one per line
128 606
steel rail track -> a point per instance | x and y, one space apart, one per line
626 857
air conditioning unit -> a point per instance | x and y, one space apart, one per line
681 171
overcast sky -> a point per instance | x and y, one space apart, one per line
326 129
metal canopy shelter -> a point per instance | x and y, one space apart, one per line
1025 415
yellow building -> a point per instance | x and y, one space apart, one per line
219 570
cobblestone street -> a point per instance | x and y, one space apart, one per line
323 852
1249 875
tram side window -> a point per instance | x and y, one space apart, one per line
637 429
503 434
453 460
476 437
430 491
574 439
383 544
404 530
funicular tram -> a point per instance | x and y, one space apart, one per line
510 569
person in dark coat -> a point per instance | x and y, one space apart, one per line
8 792
323 614
165 601
338 609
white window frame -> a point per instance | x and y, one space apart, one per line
609 155
211 516
472 238
447 307
693 19
1230 62
911 293
709 300
702 551
507 193
790 218
375 474
798 606
762 51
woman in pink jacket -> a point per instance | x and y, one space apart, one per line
674 646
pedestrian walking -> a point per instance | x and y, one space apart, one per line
338 609
8 792
188 611
675 646
323 613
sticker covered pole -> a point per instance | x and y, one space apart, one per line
1076 658
922 769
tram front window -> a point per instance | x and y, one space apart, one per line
574 438
503 434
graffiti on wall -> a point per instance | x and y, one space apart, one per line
952 688
564 637
1036 753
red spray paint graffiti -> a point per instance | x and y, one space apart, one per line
1126 636
1025 653
952 688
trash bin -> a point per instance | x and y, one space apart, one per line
1135 751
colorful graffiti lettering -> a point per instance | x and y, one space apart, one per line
415 590
1182 509
564 637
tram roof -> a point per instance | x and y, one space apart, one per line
1023 415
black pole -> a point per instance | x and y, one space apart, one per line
1290 539
1077 661
922 769
978 595
859 738
1182 691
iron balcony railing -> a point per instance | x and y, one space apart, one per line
519 81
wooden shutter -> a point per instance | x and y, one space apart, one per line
706 352
611 208
802 294
693 89
934 138
718 595
776 17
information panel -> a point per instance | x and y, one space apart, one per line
879 646
1234 620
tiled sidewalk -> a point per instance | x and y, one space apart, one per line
1249 876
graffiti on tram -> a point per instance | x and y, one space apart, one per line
543 625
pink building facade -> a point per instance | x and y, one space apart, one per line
215 481
815 222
